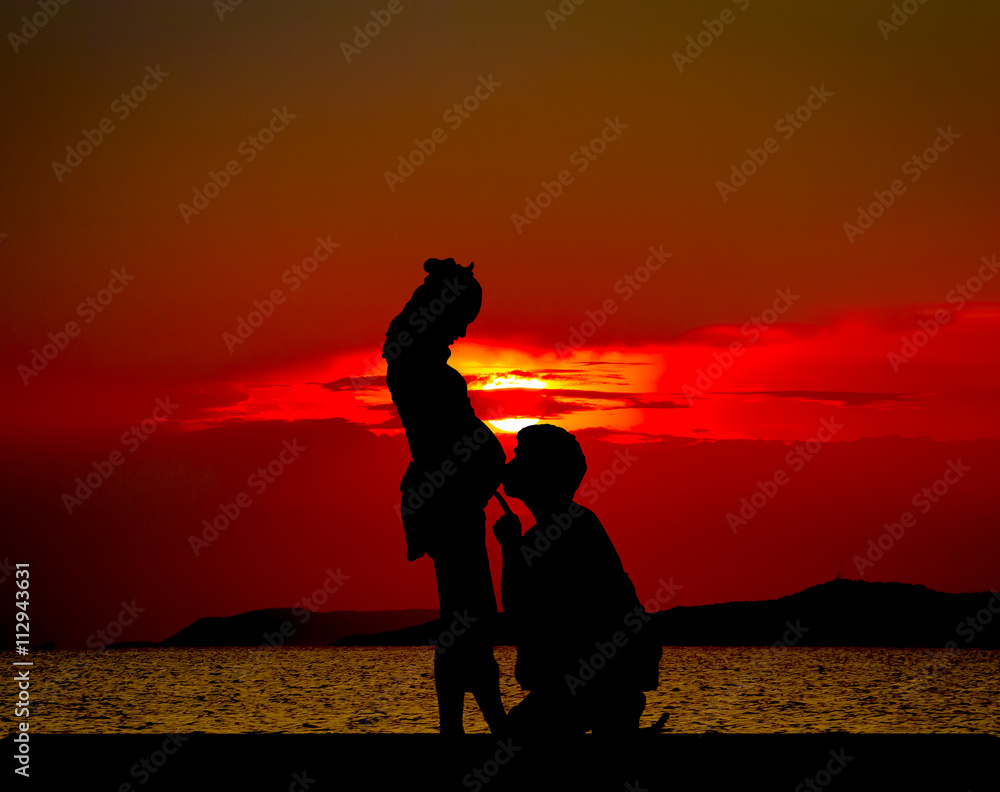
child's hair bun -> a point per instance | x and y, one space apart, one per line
446 267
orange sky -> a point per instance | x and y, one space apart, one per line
624 295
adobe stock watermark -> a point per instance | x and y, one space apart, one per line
703 39
363 35
915 167
967 629
664 595
420 321
981 619
581 158
66 670
591 489
923 500
797 458
420 488
489 769
121 107
551 533
789 638
392 688
561 12
143 770
248 148
604 651
825 775
301 782
293 277
6 570
626 286
371 372
901 14
30 26
132 438
114 628
911 344
753 330
446 638
87 310
224 7
331 584
259 481
786 126
423 318
454 116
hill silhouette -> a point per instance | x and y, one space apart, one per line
288 627
836 613
839 612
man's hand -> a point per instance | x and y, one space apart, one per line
507 529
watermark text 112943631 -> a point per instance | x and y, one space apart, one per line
22 670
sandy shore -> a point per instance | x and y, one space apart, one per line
132 762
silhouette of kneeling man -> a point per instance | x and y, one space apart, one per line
582 650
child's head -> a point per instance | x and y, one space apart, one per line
450 297
438 313
548 466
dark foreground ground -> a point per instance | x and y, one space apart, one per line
829 762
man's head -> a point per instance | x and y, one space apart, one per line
547 467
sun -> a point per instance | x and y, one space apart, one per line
513 382
513 424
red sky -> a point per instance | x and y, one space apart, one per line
638 241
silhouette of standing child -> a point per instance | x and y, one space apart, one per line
457 465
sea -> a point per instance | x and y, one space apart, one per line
391 690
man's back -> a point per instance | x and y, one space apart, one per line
570 599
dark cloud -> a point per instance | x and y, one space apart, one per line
722 335
548 403
202 399
846 398
373 382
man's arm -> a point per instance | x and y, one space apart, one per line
513 577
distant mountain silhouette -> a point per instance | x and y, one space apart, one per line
840 613
290 627
837 613
418 634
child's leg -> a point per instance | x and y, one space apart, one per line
464 656
486 690
450 697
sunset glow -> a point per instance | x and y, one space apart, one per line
196 285
514 382
513 425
